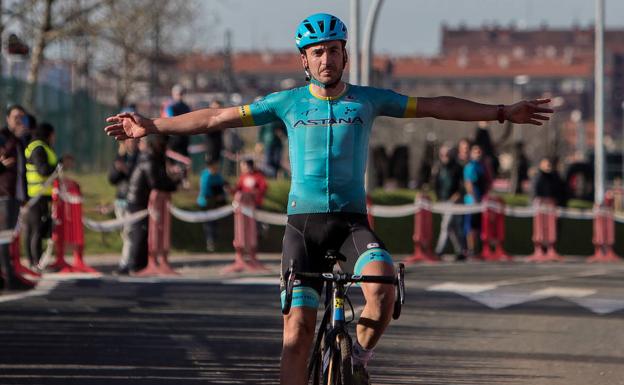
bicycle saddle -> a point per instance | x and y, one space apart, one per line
334 256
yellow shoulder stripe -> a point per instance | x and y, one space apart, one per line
410 108
245 115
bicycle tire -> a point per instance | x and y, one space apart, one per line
343 357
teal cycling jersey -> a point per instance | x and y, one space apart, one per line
328 141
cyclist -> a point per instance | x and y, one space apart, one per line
328 124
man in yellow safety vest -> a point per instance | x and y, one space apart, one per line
41 161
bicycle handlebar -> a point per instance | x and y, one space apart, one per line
397 280
349 278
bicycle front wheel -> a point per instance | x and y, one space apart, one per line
342 360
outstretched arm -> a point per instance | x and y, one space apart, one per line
451 108
133 125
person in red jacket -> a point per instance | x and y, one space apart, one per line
251 181
249 191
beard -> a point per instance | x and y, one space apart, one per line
332 81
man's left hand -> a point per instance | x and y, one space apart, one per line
528 112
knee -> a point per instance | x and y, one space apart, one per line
381 297
298 332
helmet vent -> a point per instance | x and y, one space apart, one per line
332 24
321 25
309 27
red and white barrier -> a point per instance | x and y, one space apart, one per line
604 231
68 228
493 229
423 232
245 235
544 231
158 236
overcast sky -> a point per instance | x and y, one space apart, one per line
404 26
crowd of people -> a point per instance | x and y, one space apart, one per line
464 172
161 163
27 162
459 173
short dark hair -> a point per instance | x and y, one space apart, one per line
249 163
31 121
43 131
15 107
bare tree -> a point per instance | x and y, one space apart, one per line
138 38
48 21
123 39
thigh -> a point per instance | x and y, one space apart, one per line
300 250
362 246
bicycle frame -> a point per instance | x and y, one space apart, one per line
332 329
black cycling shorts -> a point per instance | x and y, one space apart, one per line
309 236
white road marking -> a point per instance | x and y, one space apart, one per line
564 292
600 305
44 287
462 287
252 281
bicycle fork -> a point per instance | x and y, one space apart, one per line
332 339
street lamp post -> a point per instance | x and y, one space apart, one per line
520 81
354 50
599 183
367 46
622 145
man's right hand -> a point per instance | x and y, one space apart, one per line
129 125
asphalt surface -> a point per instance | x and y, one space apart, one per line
469 323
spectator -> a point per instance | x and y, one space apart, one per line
150 173
250 189
41 161
489 158
270 143
463 152
174 107
19 124
214 139
10 150
579 178
178 143
548 189
232 146
423 180
520 170
548 184
251 181
475 183
211 195
447 180
119 175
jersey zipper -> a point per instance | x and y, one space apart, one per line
327 165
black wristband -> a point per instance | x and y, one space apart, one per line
500 113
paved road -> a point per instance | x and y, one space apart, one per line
463 324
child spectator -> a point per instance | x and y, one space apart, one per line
211 195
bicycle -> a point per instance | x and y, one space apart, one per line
330 362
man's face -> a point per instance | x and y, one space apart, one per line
325 61
444 155
463 149
545 165
476 153
15 121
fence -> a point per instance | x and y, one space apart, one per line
78 119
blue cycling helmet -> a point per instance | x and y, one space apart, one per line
318 28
